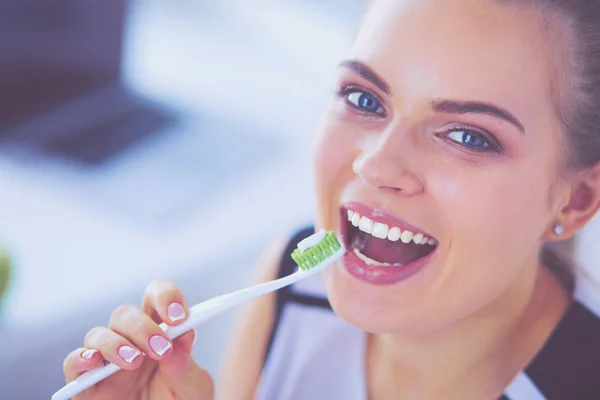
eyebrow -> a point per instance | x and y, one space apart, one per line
475 107
441 105
367 73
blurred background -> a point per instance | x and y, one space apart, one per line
138 140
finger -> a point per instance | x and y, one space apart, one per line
164 301
114 348
176 365
135 325
80 360
185 378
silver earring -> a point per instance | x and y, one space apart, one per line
559 229
355 167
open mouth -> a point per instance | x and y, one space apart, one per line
381 240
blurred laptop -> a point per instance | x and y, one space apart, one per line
60 78
67 117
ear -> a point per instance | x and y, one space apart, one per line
582 204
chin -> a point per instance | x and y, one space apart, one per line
370 308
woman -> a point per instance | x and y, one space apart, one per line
461 145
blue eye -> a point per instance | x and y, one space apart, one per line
470 139
365 101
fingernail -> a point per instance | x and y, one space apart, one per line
195 337
86 355
175 312
128 353
159 344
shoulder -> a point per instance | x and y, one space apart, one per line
567 366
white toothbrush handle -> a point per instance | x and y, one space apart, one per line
198 314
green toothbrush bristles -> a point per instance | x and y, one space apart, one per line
318 253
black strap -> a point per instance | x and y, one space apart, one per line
307 300
568 364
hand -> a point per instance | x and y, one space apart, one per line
166 372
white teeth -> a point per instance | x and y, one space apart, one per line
380 230
394 234
406 236
417 238
366 259
360 255
371 262
366 225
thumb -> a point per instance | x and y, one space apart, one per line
177 363
184 377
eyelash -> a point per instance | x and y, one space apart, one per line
344 91
493 144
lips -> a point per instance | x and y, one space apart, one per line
382 249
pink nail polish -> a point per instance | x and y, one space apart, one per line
159 344
88 354
128 353
175 312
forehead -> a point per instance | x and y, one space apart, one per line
472 49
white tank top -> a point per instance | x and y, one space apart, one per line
315 355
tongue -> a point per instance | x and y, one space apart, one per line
386 251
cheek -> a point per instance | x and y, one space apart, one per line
496 202
494 222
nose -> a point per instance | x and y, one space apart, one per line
387 166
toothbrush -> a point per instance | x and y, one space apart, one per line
312 255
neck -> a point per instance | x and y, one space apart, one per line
489 347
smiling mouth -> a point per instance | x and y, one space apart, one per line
379 240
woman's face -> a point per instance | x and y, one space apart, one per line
444 133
